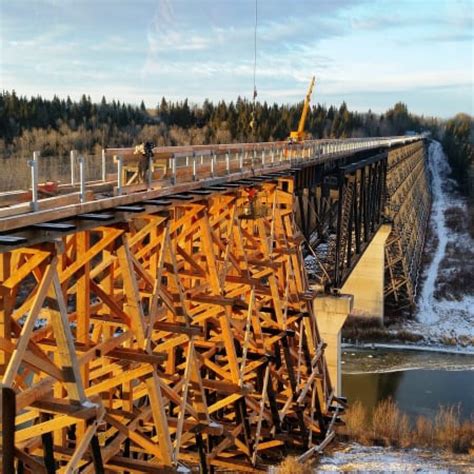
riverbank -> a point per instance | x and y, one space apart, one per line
388 425
444 316
410 335
394 421
354 457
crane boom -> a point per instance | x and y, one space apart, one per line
298 135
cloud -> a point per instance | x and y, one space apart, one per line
449 37
204 48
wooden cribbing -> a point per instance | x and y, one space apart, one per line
168 340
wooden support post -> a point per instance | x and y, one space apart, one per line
7 432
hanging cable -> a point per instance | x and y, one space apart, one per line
253 124
255 53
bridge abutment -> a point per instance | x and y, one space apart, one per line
331 313
366 281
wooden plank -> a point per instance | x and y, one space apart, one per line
63 210
17 355
14 197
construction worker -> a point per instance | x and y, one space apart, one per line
145 150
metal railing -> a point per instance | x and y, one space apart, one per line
172 165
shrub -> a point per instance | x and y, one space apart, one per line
447 427
391 427
385 422
423 434
356 422
291 465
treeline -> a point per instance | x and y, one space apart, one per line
458 144
56 126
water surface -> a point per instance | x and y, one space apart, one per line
420 382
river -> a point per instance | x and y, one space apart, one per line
418 381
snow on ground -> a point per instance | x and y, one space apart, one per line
357 458
440 170
440 316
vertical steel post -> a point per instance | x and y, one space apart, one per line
227 163
173 170
194 168
104 166
213 164
34 180
149 176
119 161
241 161
73 163
82 179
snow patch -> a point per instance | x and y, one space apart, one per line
437 319
357 458
439 171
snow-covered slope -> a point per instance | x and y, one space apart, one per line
443 314
440 170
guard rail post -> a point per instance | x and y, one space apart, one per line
104 166
82 180
34 180
173 169
72 155
119 161
194 167
149 174
227 163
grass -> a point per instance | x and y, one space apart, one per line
291 465
389 426
369 330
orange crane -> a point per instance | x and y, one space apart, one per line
299 135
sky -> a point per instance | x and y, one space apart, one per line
369 53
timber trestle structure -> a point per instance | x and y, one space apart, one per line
175 338
172 327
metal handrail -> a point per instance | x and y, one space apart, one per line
255 156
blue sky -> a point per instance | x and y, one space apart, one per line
369 53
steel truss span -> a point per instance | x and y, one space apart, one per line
179 338
341 204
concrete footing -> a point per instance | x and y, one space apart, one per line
331 312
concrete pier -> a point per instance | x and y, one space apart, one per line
366 281
331 312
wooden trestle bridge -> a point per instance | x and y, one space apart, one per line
149 327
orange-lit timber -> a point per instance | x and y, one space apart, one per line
183 337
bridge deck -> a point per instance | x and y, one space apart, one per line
186 169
